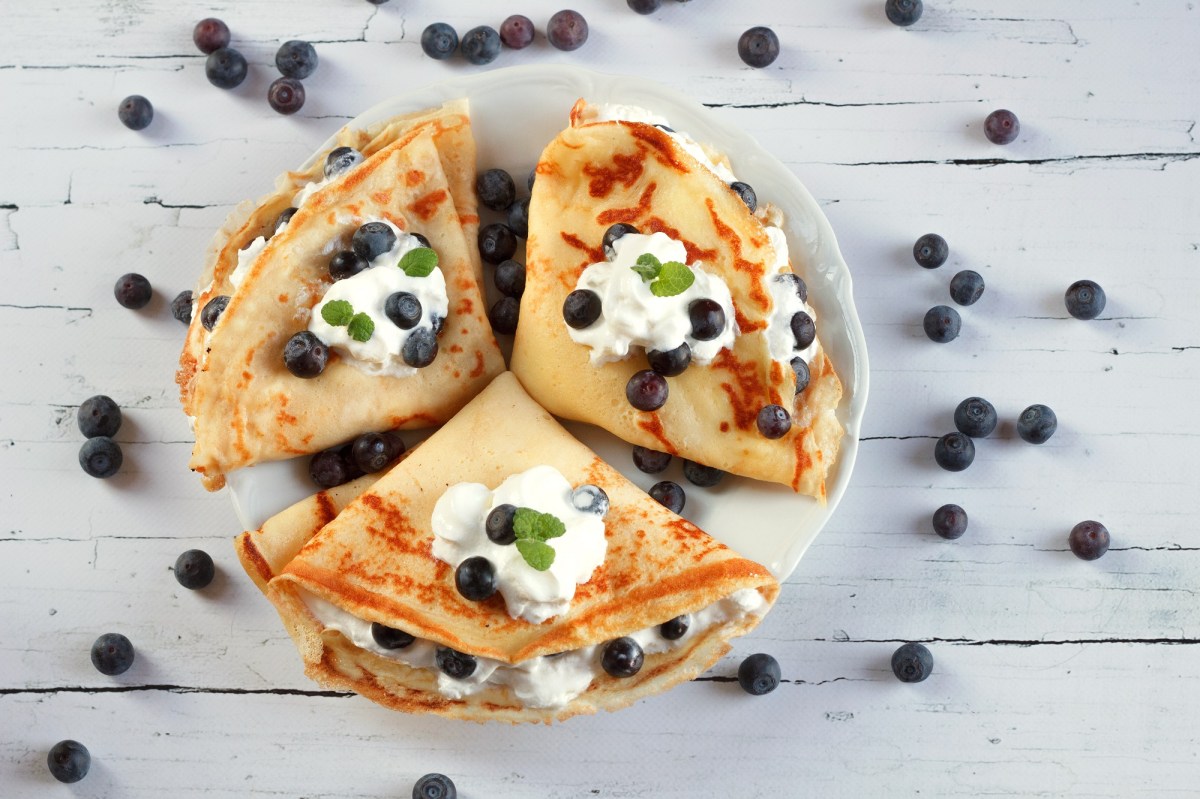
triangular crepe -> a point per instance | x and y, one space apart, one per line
249 407
372 558
597 174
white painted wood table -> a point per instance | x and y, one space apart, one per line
1053 676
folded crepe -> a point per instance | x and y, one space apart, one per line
246 404
333 566
599 173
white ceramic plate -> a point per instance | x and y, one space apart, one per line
515 112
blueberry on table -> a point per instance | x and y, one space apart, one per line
194 569
497 242
675 628
645 6
439 40
341 159
372 452
475 578
758 47
1089 540
372 240
112 654
647 390
650 461
346 263
296 59
518 217
590 499
567 30
707 318
305 355
774 421
286 95
434 786
480 45
504 315
210 314
509 278
759 674
1001 127
1085 299
99 416
390 637
330 468
133 291
210 34
797 282
226 68
615 232
499 524
581 308
975 417
800 367
804 330
931 251
912 663
672 362
101 457
950 521
622 657
669 494
181 306
966 287
942 324
516 32
454 663
495 189
1036 424
69 761
746 192
903 12
954 452
701 475
135 112
404 309
421 348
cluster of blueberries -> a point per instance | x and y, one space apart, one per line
497 243
566 30
368 453
226 68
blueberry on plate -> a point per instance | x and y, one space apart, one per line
226 68
69 761
703 476
434 786
497 242
454 663
942 324
804 330
975 417
286 95
950 521
518 218
1089 540
194 569
1036 424
1001 127
800 367
590 499
746 192
132 291
499 524
581 308
647 390
669 494
675 628
101 457
931 251
495 189
903 12
1085 299
759 674
622 657
509 278
707 318
341 159
504 315
439 41
650 461
330 468
516 32
567 30
181 306
672 362
774 421
966 287
135 112
305 355
954 452
372 452
99 416
296 59
421 348
645 6
112 654
758 47
615 232
475 578
210 34
912 663
372 240
210 314
480 45
390 637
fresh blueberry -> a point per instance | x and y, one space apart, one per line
112 654
516 32
437 323
622 657
372 240
581 308
504 315
804 330
758 47
286 95
181 306
69 761
210 34
135 112
645 6
650 461
1036 424
499 524
670 363
454 663
954 452
746 192
434 786
912 663
797 283
403 309
615 232
800 367
703 476
284 217
942 324
305 355
330 468
497 242
495 189
132 291
647 390
212 310
707 318
510 278
529 181
975 417
567 30
931 251
475 578
966 287
669 494
99 416
1089 540
194 569
341 159
903 12
950 521
1001 127
372 452
590 499
421 348
480 45
226 68
759 674
296 59
439 41
101 457
1085 299
676 628
518 217
774 421
346 263
390 637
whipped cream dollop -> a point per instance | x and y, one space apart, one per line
535 596
632 315
245 259
367 292
786 303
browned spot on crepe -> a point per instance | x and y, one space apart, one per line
694 253
478 370
425 207
626 170
746 390
414 177
653 425
633 212
662 144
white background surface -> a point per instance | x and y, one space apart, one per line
1053 676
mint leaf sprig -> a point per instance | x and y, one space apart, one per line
419 262
666 280
340 313
533 529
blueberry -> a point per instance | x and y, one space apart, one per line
931 251
194 569
622 657
437 322
645 6
341 159
499 524
529 181
480 45
346 263
296 59
510 278
975 417
581 308
372 452
942 324
665 128
670 363
439 41
1089 540
475 578
210 34
615 232
650 461
518 217
497 242
112 654
1036 424
135 112
372 240
504 315
954 452
758 47
707 318
286 95
421 348
453 663
226 68
1085 299
804 330
703 476
99 416
516 32
495 189
774 421
1001 127
647 390
590 499
212 310
132 291
676 628
434 786
668 494
69 761
390 637
567 30
284 217
424 242
950 521
330 468
797 283
101 457
403 309
800 367
746 192
912 663
759 674
181 306
305 355
903 12
966 287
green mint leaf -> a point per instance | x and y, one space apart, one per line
675 278
531 525
419 262
337 313
647 266
538 555
360 327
